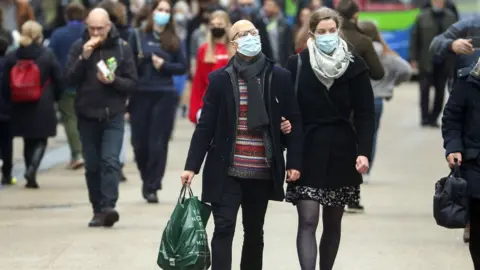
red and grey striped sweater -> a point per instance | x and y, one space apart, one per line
250 159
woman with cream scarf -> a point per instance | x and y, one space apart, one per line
335 97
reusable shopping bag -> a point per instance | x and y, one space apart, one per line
184 244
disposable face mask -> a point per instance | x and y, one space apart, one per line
161 18
327 43
179 17
249 45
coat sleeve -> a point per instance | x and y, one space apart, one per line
75 69
205 129
454 117
413 46
5 96
126 80
290 111
56 76
441 45
372 60
364 113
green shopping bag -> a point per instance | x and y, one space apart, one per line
184 244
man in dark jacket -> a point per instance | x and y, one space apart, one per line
429 23
60 42
239 127
360 42
456 42
100 106
6 139
461 138
246 10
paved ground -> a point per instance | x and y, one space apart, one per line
46 229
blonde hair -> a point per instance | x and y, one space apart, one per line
31 31
210 54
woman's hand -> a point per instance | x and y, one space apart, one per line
157 62
285 126
362 165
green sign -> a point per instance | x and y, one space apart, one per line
391 20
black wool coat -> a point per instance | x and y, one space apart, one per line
336 133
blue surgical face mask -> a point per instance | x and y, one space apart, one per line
249 45
161 18
327 43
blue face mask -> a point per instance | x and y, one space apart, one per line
327 43
161 18
249 45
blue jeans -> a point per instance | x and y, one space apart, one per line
378 116
102 142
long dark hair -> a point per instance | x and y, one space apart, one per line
169 38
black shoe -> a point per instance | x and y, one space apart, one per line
356 208
7 181
110 216
152 198
31 181
434 125
96 221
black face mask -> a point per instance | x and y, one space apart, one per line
218 32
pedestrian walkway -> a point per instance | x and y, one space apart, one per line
46 229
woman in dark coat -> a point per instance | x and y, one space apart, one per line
335 97
34 121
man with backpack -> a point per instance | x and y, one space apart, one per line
102 67
6 139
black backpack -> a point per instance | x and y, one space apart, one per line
451 201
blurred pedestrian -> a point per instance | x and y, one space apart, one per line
60 42
301 29
332 84
6 138
279 32
153 107
35 69
240 129
397 71
433 21
212 55
101 105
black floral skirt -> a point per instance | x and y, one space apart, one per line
338 197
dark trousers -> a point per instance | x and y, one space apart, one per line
252 196
152 117
102 142
475 232
6 148
438 81
33 151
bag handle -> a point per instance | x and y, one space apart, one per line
455 172
183 193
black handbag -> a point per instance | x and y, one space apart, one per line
451 201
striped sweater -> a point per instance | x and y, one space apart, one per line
250 158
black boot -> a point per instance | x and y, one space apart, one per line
97 220
110 217
35 159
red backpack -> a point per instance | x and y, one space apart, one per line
25 82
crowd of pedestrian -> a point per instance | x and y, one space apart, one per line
263 77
